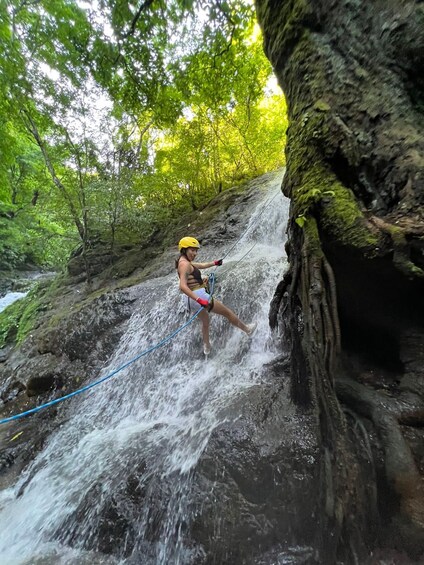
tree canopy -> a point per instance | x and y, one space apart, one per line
119 116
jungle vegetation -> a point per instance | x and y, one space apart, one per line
116 117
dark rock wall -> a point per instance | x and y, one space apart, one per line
257 483
358 63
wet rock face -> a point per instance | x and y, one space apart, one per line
258 482
78 334
61 349
55 359
254 497
76 329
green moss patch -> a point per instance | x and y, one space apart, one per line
320 193
18 319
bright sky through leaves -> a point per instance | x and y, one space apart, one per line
106 107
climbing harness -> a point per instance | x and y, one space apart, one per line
209 288
211 283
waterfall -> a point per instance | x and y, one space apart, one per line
112 485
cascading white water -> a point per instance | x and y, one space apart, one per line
10 298
137 436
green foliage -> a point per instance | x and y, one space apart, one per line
14 244
9 322
301 220
18 319
29 312
116 118
27 238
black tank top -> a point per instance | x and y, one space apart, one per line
194 278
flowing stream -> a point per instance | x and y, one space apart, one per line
10 298
120 467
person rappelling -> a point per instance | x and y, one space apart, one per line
194 286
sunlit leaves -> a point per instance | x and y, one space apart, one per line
146 109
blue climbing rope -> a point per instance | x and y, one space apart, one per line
113 373
110 375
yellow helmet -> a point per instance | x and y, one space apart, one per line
186 242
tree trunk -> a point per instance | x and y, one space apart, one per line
81 225
351 304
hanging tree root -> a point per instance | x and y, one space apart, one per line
305 308
387 415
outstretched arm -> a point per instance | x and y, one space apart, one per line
207 265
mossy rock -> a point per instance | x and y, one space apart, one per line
18 319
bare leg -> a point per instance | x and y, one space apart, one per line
204 318
219 308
